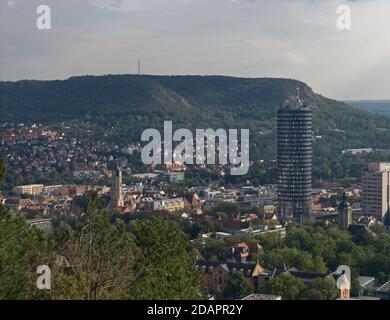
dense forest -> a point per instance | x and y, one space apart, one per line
374 106
120 107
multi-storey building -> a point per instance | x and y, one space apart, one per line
294 122
169 205
376 190
32 189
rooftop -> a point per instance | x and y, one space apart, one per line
255 296
385 288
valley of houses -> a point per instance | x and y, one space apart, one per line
154 194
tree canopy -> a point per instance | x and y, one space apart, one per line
168 271
2 170
22 250
237 287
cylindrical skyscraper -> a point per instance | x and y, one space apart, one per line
294 160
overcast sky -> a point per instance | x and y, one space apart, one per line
249 38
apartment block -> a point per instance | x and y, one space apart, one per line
32 189
376 190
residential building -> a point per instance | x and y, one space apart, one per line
384 291
169 205
242 252
376 190
191 200
32 189
17 204
44 225
172 176
367 284
258 296
216 274
270 209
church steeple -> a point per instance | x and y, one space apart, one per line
345 212
116 170
117 198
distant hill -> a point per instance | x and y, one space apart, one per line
131 103
376 106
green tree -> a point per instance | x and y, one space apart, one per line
168 270
363 237
320 289
99 257
227 207
22 250
293 257
237 286
286 286
270 241
214 249
2 170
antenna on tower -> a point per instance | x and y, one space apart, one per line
139 67
298 92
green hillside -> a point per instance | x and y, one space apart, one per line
130 103
376 106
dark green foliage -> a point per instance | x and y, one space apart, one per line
22 250
320 289
101 257
237 287
214 250
287 286
292 288
323 249
167 270
293 257
2 170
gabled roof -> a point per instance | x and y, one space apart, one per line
230 266
384 288
305 276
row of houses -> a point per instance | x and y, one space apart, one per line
216 276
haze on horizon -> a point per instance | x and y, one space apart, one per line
243 38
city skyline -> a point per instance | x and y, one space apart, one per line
236 38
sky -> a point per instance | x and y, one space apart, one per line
245 38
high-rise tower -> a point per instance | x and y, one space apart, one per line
376 190
117 199
294 131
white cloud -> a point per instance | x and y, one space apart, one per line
11 3
281 38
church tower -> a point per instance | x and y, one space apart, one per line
117 198
345 213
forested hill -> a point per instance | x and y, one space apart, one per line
376 106
131 103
